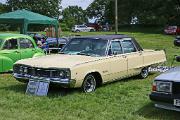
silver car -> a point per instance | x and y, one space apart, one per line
82 28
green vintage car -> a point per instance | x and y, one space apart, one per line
14 47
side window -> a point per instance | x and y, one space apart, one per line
128 46
115 48
10 44
25 43
139 48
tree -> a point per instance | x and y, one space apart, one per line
3 8
74 15
45 7
146 11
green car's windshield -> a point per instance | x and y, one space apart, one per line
86 46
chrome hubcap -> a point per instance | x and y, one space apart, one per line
89 84
144 72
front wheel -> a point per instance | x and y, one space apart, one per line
89 84
144 73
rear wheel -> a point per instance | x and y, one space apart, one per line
89 84
144 73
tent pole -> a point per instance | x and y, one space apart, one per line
56 32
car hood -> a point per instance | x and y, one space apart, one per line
170 75
58 61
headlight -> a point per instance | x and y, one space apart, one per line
64 73
161 86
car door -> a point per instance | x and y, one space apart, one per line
118 62
27 49
10 50
11 54
134 57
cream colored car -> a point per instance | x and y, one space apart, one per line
88 62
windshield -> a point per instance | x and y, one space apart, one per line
86 46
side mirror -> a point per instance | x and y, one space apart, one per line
178 58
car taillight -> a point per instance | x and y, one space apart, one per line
154 87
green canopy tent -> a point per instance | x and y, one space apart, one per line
24 18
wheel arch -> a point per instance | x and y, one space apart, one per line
97 76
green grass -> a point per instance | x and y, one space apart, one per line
123 100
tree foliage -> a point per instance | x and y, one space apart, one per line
74 15
46 7
146 11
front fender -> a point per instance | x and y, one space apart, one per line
80 74
6 64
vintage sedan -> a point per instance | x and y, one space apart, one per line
166 89
88 62
14 47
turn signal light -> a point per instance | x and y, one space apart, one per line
154 87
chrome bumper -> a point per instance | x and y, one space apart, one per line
67 82
167 106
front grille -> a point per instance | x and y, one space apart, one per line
36 72
42 73
176 88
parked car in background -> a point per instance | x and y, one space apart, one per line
49 42
166 89
90 61
82 28
96 26
52 42
14 47
172 30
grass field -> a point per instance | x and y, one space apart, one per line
123 100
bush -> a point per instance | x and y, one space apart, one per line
64 27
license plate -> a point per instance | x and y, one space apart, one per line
177 102
38 88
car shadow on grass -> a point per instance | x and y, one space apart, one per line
150 112
54 91
19 88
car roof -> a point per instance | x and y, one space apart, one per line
5 36
105 37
